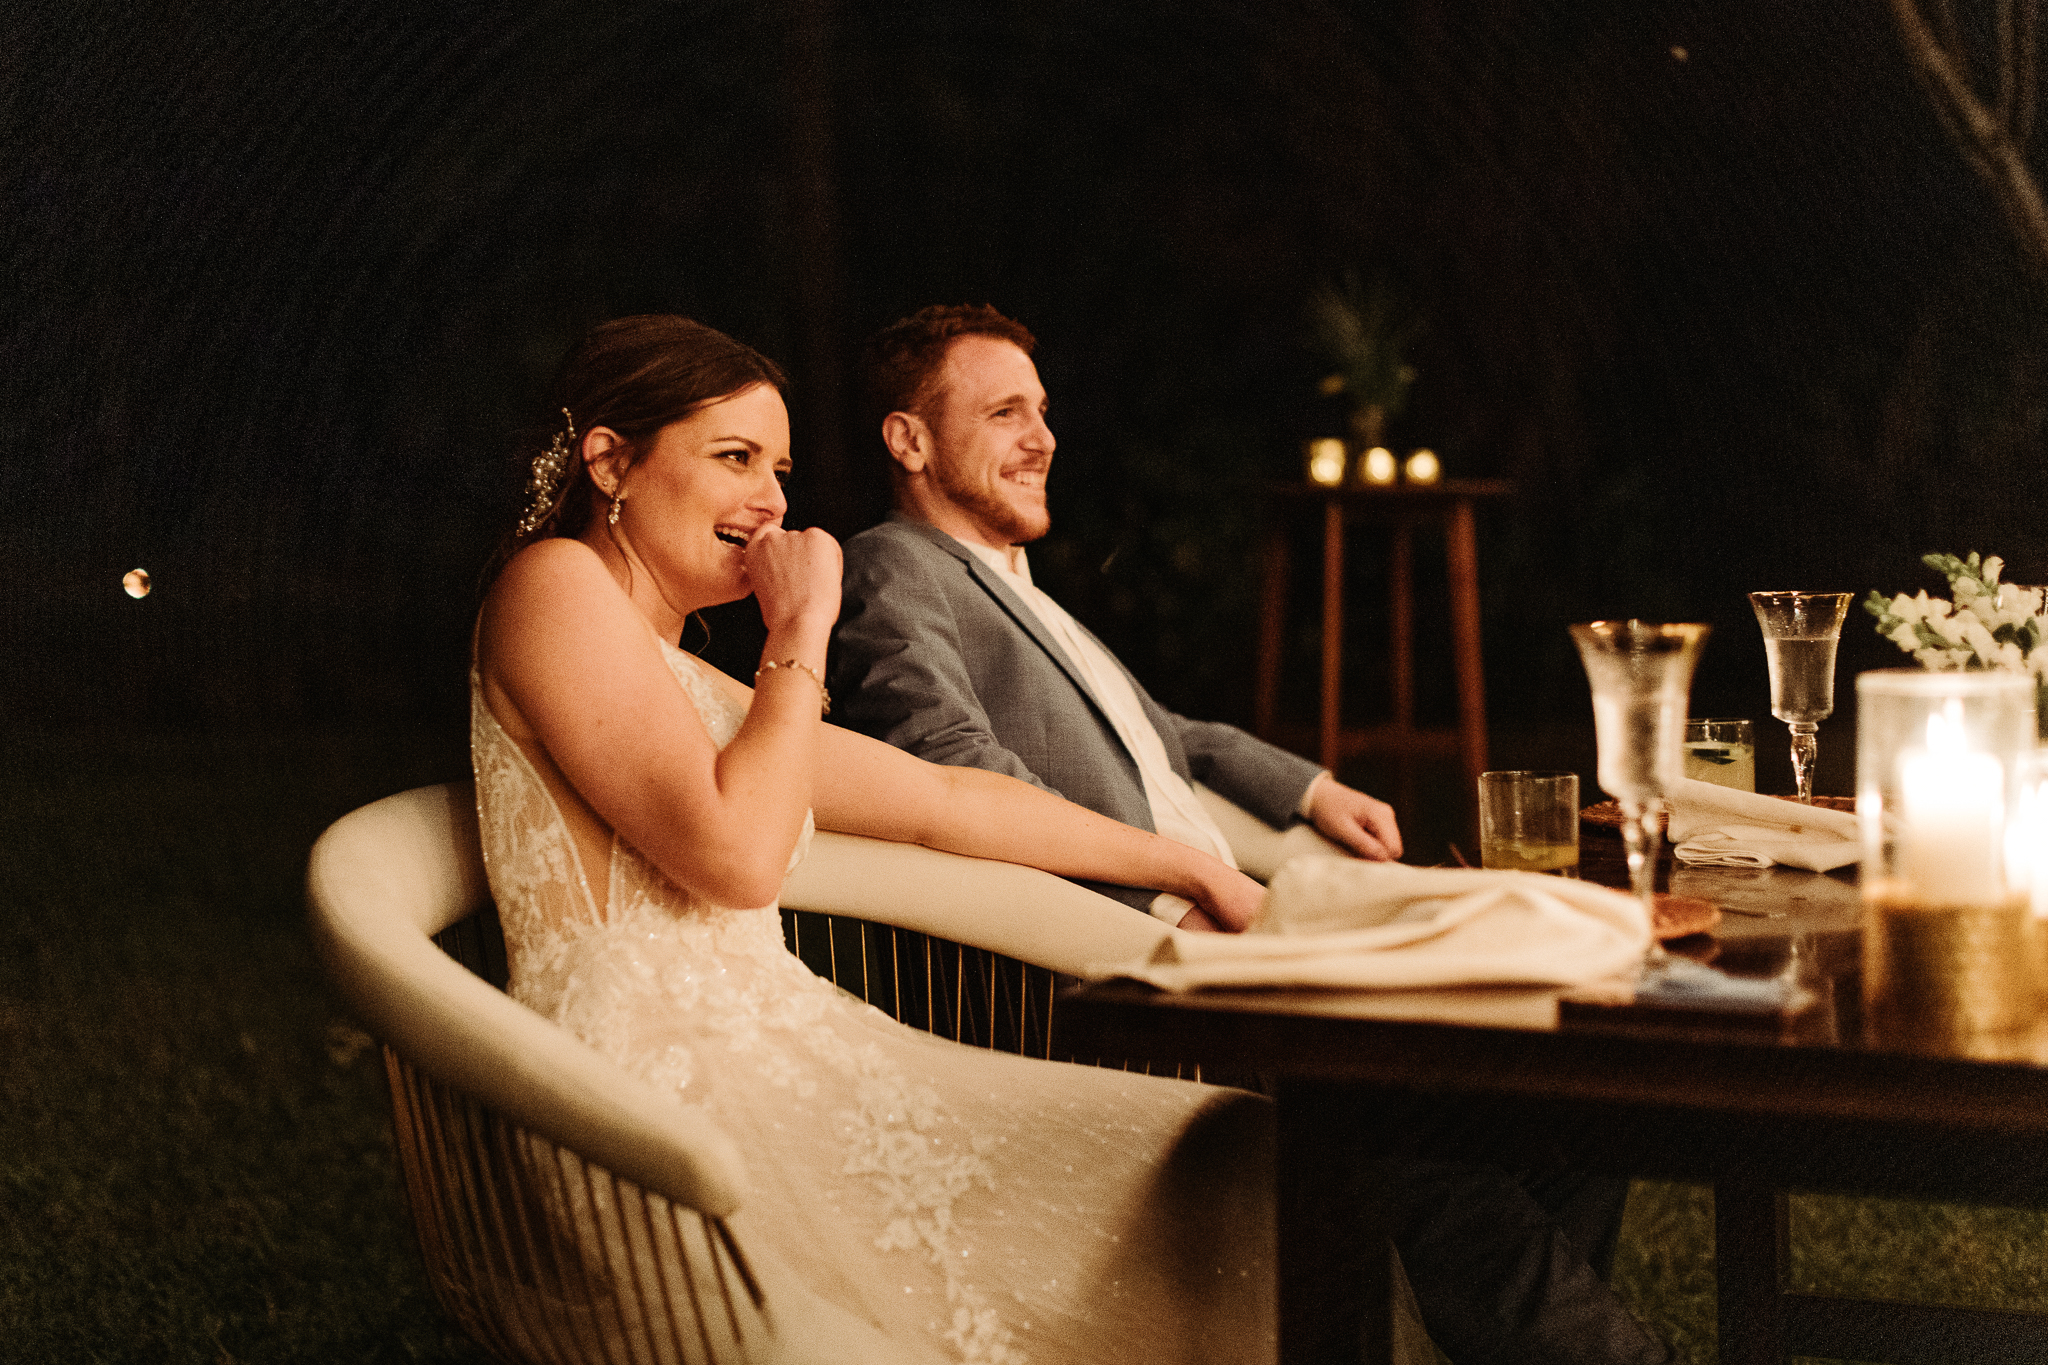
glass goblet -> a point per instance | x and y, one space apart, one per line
1641 673
1801 630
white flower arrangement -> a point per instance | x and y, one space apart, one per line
1988 625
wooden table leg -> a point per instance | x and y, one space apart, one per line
1462 555
1750 1243
1401 655
1401 609
1333 631
1272 628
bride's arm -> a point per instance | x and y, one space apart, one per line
866 787
571 662
578 667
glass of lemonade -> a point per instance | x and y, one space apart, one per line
1722 752
1529 821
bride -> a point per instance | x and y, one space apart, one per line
911 1199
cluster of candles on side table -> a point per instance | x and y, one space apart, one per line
1951 803
1330 459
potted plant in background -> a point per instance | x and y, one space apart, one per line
1363 330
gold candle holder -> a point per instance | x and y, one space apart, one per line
1948 978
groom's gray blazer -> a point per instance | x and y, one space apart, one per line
935 654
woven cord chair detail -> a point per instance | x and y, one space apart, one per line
566 1211
541 1256
954 990
899 926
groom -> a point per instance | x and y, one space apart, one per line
945 647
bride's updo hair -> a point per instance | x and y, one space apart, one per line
635 375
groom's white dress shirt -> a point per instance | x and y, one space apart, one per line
1177 813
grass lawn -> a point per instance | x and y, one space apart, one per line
195 1162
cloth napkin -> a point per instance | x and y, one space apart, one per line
1348 924
1721 827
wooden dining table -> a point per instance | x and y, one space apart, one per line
1755 1105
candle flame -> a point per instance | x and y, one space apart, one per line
1326 462
1945 733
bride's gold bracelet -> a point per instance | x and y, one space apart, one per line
801 667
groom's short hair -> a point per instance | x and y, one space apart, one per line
900 364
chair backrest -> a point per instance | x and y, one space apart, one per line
565 1211
532 1243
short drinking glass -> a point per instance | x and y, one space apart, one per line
1722 752
1529 822
1801 630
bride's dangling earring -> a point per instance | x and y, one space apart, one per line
618 496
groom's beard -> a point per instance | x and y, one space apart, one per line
1016 519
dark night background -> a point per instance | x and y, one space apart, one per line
284 284
287 283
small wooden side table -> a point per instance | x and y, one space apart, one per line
1402 507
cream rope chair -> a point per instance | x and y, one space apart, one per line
568 1212
854 909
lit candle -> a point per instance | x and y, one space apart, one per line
1377 466
1952 818
1423 467
1326 462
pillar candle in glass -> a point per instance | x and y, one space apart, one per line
1942 766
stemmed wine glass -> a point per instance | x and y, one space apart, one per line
1641 673
1801 630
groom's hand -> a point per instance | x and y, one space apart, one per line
1359 822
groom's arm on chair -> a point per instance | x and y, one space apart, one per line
1279 787
1266 780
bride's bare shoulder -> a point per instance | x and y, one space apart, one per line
555 601
545 578
550 565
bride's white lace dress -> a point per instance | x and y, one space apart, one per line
932 1201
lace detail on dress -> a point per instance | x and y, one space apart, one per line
708 1001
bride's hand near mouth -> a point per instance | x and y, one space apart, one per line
795 578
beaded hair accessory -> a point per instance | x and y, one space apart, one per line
544 483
